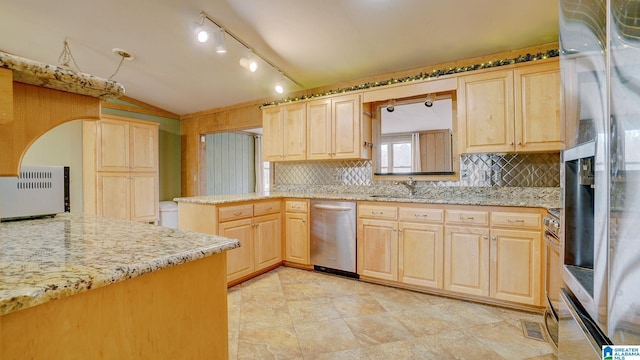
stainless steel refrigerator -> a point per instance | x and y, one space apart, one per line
600 64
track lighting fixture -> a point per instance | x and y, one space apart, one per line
279 88
391 105
200 31
250 62
430 99
218 39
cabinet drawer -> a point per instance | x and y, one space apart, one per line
378 212
421 215
516 220
467 217
267 207
235 212
296 206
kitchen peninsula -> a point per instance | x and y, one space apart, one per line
78 286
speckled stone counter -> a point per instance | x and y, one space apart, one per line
47 259
519 197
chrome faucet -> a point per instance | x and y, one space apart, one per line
409 184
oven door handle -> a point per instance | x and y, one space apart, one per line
552 241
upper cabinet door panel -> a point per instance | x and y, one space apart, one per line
295 132
486 112
346 127
144 147
113 146
537 108
319 129
272 134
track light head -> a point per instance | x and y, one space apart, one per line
430 99
391 105
249 63
219 41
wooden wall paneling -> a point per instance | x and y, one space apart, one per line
36 111
6 96
89 180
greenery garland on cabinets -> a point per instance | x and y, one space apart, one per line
423 76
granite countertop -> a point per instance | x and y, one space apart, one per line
47 259
519 197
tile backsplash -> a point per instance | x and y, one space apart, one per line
482 170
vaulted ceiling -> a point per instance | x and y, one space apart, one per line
315 43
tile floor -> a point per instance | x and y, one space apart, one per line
296 314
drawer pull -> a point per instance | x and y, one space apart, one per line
463 218
421 215
376 213
269 208
236 213
515 221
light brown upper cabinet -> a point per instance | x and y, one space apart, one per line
126 146
284 132
516 110
338 128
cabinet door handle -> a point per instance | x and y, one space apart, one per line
511 143
394 229
515 221
519 142
399 230
493 238
485 237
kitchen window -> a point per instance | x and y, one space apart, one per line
395 154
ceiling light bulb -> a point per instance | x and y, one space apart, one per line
249 63
202 35
279 89
253 66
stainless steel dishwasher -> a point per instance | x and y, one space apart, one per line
333 237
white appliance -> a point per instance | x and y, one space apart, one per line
37 191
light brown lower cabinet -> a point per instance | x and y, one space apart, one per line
125 195
258 227
378 249
408 250
490 252
239 260
420 259
296 239
501 259
466 260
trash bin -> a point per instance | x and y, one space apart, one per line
168 214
